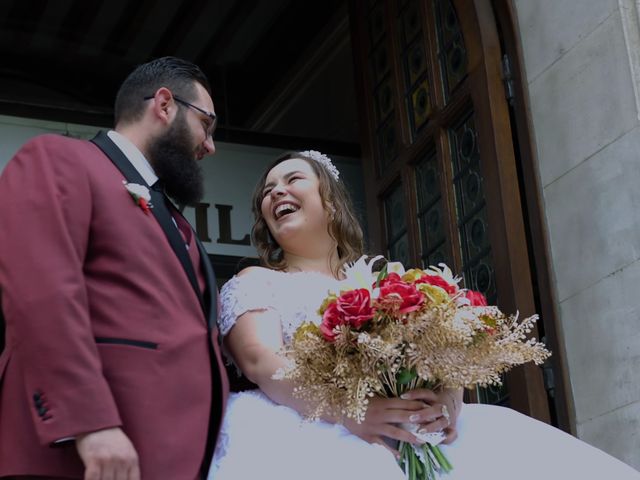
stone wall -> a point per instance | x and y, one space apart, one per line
582 67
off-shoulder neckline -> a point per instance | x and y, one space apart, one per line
296 273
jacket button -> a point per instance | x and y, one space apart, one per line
37 396
41 411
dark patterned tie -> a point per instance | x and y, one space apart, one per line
183 227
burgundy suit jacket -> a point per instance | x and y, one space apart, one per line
104 327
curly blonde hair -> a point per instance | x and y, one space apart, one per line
343 227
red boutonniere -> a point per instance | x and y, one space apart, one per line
140 195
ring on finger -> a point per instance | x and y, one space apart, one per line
445 414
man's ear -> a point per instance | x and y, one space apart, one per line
163 105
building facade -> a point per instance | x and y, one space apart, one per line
499 136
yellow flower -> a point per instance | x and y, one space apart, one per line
327 301
304 329
488 321
436 294
413 275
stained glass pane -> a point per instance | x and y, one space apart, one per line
466 147
415 66
434 222
376 23
432 229
469 194
471 189
383 100
395 214
477 262
411 22
465 156
438 256
476 236
481 277
427 181
415 61
380 63
382 84
431 219
399 250
387 145
397 236
420 106
452 54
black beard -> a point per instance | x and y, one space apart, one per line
173 159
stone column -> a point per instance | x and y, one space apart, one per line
582 62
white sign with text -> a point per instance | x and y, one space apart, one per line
223 220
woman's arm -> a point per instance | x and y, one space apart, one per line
253 342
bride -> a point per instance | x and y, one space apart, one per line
305 231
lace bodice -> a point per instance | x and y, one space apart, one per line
295 297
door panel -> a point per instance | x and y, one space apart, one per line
440 172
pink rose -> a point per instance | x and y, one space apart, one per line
352 308
476 299
411 299
330 319
390 278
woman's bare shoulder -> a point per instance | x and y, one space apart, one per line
256 271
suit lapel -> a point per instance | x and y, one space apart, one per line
211 291
159 210
210 296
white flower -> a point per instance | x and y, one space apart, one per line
466 321
137 190
395 267
140 195
444 272
359 274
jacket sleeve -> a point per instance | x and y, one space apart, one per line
45 218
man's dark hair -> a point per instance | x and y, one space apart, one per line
173 73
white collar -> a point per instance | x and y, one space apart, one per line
135 156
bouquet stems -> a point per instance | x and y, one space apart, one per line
425 462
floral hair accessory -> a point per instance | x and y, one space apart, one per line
322 159
140 195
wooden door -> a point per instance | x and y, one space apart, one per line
440 172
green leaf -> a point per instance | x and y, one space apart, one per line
405 376
382 275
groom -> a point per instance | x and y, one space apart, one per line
111 367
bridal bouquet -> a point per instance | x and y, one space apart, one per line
390 332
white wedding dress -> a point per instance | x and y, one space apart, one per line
262 440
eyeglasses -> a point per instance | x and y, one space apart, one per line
211 127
